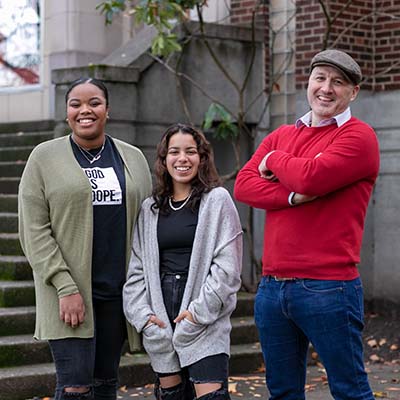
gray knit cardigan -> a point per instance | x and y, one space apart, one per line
210 293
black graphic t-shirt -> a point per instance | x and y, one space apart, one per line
107 178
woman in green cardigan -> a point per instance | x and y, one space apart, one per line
78 199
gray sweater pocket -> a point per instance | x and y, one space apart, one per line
187 333
156 339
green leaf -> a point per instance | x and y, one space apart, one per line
209 116
225 127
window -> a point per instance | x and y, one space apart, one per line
19 42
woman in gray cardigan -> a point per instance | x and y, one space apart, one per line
185 269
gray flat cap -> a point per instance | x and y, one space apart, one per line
340 60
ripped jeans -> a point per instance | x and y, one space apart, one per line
93 362
212 369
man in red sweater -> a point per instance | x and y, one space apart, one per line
315 180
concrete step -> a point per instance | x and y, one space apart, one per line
8 202
243 330
17 294
21 383
9 185
15 268
15 153
8 222
245 305
17 320
9 245
27 126
24 138
11 168
23 350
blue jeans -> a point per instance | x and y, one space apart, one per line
329 314
94 362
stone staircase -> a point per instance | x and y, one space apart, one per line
26 370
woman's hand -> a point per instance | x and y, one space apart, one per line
154 320
72 310
185 314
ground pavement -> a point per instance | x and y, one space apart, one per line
384 379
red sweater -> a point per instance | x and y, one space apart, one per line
320 239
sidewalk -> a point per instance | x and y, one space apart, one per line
384 379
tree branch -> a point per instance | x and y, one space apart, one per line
212 54
192 81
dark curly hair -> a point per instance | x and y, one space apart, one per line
207 177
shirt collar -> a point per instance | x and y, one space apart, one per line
339 119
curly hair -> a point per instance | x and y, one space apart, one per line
207 177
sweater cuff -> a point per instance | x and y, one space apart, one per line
290 198
64 284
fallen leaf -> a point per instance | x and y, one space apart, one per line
381 395
123 389
232 387
372 343
309 387
393 389
394 347
374 357
314 355
382 342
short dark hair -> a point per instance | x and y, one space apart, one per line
93 81
207 177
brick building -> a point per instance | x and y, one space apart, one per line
369 30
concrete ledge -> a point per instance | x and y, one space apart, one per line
107 73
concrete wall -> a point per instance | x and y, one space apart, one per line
380 258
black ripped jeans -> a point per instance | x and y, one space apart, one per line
212 369
94 362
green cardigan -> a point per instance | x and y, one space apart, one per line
56 229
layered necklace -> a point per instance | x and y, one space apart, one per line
182 205
88 155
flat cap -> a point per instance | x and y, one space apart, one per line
340 60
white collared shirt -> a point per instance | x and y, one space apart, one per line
339 119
